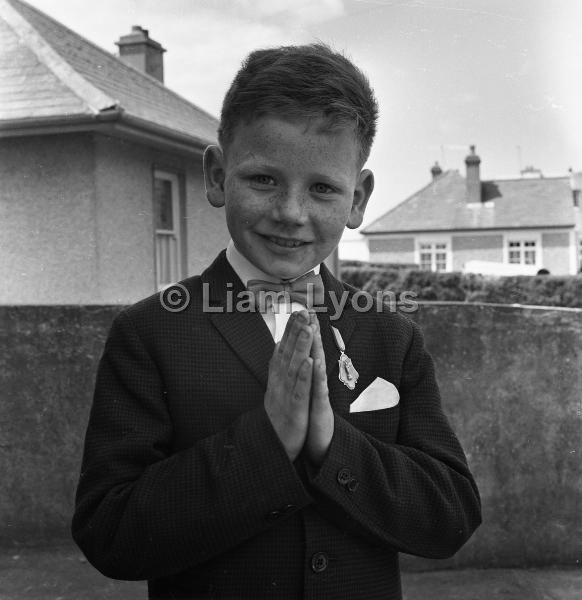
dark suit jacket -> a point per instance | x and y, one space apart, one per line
185 483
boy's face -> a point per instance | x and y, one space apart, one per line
289 190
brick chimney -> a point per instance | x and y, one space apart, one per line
530 172
575 186
137 50
436 170
473 177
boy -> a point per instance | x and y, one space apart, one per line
233 453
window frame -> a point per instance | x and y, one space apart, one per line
177 214
522 237
435 240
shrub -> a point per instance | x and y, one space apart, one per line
390 280
358 276
540 290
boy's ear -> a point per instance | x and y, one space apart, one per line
362 193
214 175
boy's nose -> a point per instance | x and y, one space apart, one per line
290 207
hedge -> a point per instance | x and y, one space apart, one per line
540 290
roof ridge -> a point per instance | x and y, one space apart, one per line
526 178
408 198
95 99
113 56
157 82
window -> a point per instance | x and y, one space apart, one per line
522 252
167 222
432 256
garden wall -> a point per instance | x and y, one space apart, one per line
511 381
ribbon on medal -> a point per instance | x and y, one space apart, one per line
347 372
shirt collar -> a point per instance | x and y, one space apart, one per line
245 269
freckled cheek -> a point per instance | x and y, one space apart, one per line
332 224
244 206
334 217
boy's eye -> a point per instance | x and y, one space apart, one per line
263 180
322 188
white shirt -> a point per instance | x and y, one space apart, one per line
275 317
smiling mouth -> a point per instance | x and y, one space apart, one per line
285 242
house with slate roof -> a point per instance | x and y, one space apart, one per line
500 226
102 197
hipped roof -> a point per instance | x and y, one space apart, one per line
50 74
506 204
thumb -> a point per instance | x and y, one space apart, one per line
320 396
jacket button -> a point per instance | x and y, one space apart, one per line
352 485
319 562
344 475
273 515
289 508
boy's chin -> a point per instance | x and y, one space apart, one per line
280 266
284 270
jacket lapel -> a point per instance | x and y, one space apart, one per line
334 291
245 332
339 395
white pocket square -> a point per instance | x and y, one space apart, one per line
378 395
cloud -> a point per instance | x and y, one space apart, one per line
297 11
205 51
463 98
562 72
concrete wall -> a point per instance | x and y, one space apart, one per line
556 252
47 220
48 357
124 221
76 219
511 381
476 247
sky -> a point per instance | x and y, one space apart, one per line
504 76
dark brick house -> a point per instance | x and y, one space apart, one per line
499 226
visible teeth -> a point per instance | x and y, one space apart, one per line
286 243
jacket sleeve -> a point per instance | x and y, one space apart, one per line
144 511
416 495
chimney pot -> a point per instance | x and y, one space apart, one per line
575 185
139 51
436 170
472 162
530 172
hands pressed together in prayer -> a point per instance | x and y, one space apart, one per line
297 399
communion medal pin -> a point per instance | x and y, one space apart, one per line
347 372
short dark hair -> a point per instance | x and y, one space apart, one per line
301 82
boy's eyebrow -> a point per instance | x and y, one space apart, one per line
254 164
